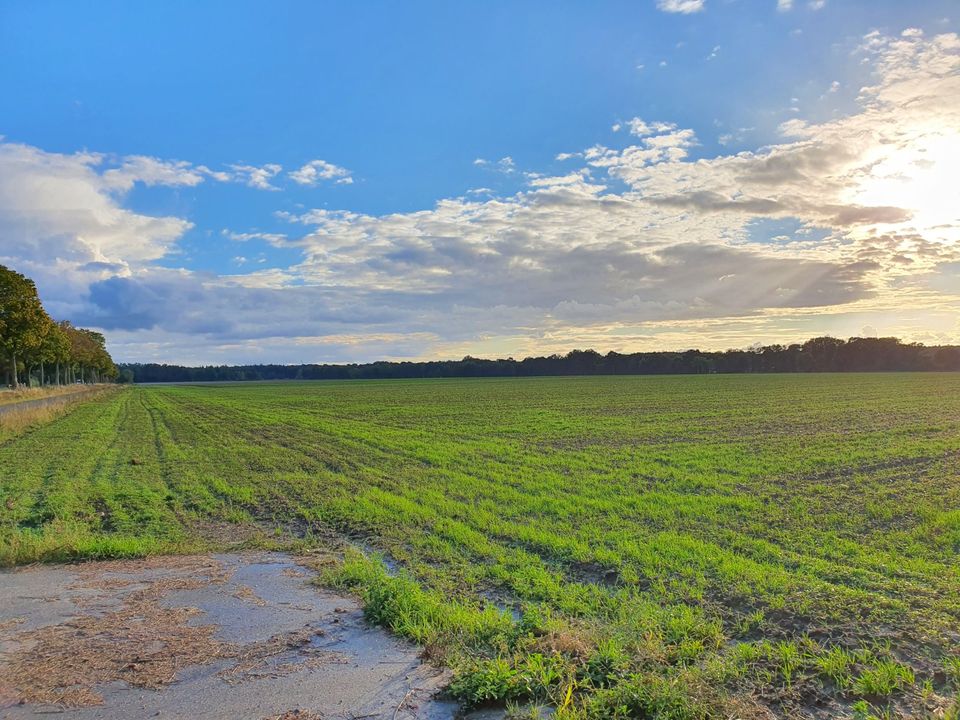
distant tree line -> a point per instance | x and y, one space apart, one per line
35 349
822 354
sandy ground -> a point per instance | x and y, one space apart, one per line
220 637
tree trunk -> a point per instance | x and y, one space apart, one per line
57 380
13 371
41 375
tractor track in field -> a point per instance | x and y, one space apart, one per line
849 472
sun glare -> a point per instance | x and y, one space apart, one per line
923 180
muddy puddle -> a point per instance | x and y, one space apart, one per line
222 636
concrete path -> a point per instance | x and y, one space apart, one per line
218 637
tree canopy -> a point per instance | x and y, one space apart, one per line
30 339
822 354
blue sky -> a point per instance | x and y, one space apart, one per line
171 144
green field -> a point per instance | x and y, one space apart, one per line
699 546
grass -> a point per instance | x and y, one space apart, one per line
16 421
9 395
884 678
673 547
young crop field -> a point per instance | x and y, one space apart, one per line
612 547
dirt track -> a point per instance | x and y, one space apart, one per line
226 636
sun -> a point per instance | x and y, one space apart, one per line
922 177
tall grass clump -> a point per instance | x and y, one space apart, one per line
398 602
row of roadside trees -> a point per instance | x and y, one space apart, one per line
36 349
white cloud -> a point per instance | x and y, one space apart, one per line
575 178
258 177
795 127
681 6
316 171
505 165
737 136
818 4
61 221
275 239
151 171
124 173
640 127
784 5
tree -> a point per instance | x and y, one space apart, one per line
821 353
23 321
55 349
88 354
28 336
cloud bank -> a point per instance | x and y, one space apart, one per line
640 245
